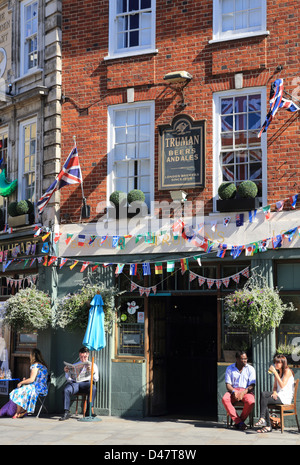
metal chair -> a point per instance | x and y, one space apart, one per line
239 407
42 398
288 409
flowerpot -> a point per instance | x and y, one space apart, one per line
229 355
16 221
238 204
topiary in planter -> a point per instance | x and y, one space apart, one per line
22 207
12 209
117 198
135 195
247 189
227 190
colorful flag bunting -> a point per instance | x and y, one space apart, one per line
158 268
84 266
184 265
69 237
73 265
171 266
81 240
146 269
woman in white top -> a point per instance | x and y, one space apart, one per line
283 391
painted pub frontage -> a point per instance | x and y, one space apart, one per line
168 98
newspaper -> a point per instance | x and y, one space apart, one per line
79 371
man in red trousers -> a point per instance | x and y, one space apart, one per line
240 382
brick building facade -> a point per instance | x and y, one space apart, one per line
117 102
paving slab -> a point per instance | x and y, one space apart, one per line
113 433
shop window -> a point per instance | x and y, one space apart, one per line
239 154
131 334
27 160
131 27
234 19
29 36
130 162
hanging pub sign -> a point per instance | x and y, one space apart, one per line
182 154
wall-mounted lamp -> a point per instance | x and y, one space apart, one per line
181 80
178 196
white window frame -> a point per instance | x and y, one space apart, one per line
24 69
111 144
113 51
219 36
21 167
217 168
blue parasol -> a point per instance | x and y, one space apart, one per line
94 339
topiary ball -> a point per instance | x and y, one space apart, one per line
247 189
30 206
22 207
12 209
117 197
135 195
227 190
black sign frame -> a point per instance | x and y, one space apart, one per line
182 148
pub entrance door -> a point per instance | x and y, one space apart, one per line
183 356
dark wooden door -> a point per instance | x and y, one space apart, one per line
157 344
183 356
192 356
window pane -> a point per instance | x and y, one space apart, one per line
240 139
226 123
240 122
227 6
133 5
226 106
228 23
254 102
255 18
254 121
145 4
120 135
227 140
144 150
241 104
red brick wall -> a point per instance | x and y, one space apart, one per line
183 31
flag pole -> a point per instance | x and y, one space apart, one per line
85 210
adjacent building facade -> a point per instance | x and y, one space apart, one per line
166 97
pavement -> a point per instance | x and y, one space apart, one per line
155 434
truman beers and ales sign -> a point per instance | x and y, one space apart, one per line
182 154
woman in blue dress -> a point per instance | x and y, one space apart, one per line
28 390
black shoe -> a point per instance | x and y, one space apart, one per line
66 416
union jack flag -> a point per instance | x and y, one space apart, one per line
277 101
70 174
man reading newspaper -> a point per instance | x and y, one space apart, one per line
78 378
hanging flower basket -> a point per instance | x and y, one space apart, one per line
28 310
72 311
257 306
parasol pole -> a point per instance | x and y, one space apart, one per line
91 388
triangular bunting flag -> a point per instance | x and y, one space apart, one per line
69 237
73 265
84 266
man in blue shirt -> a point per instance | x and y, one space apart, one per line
240 382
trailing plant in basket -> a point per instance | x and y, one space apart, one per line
257 306
73 310
28 310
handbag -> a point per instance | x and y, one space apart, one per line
275 421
